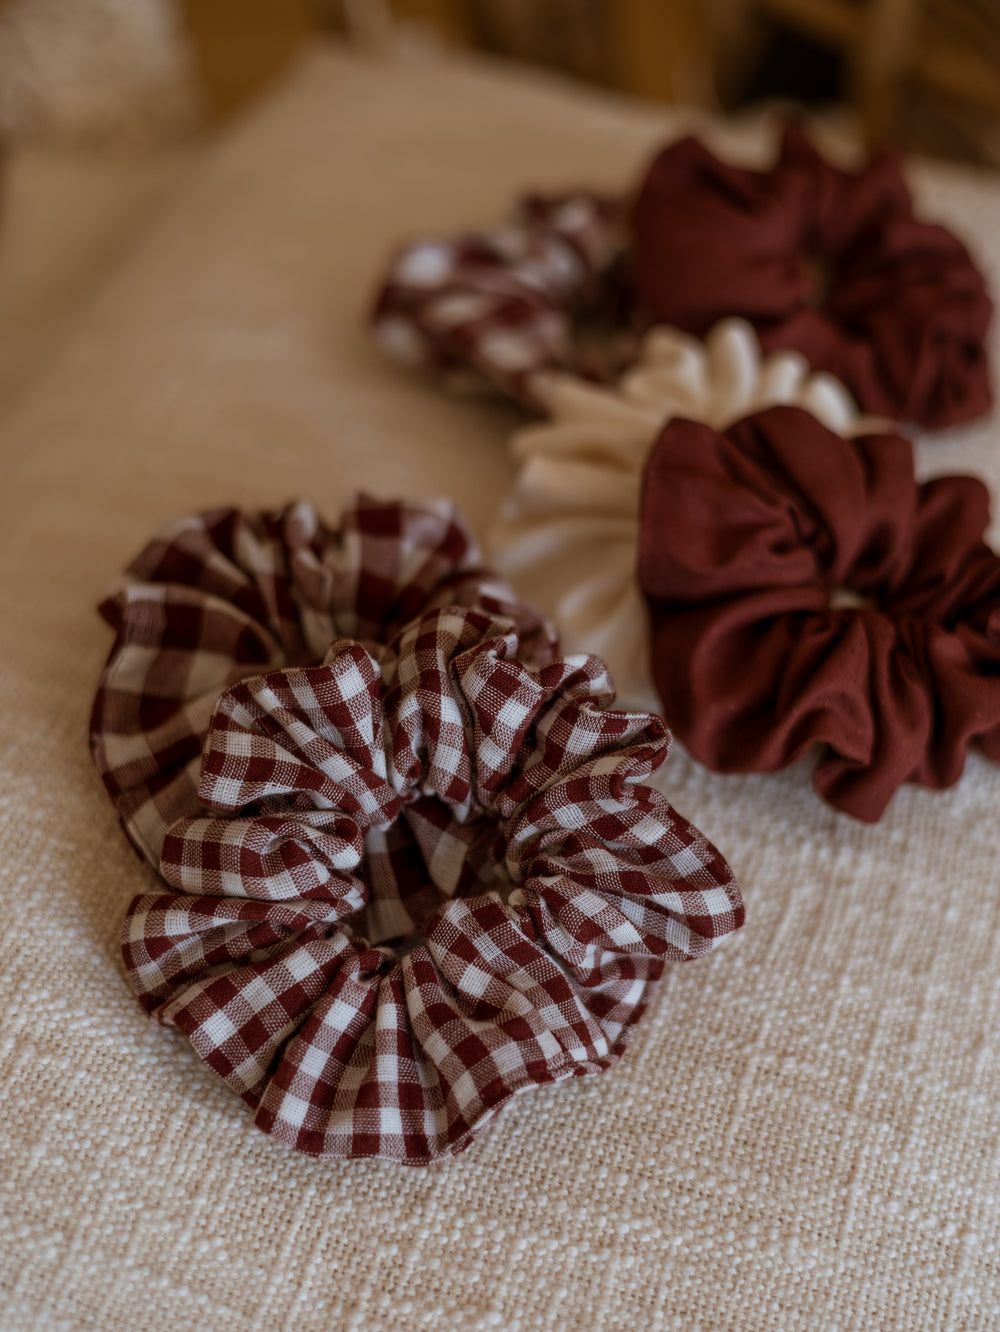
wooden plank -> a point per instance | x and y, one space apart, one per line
449 18
241 45
657 48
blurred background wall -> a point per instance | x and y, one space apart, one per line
921 74
105 104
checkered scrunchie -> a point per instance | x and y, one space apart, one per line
829 263
497 308
412 866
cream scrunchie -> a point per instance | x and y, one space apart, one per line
567 534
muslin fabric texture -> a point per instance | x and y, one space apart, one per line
804 591
568 531
803 1134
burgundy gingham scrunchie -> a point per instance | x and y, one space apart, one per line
412 868
493 309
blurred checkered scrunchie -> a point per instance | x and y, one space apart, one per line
496 309
410 865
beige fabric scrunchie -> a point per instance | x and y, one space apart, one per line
567 534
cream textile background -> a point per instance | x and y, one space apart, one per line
99 72
804 1134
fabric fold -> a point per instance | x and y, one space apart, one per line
830 263
805 590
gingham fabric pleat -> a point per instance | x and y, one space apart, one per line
413 879
222 595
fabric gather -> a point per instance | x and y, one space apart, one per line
411 865
569 528
823 261
805 590
498 308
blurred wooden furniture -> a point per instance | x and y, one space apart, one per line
453 19
645 47
901 56
640 46
241 45
659 48
896 50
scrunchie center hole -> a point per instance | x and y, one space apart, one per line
415 866
845 598
819 279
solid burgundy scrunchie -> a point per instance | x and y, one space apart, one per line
829 263
804 589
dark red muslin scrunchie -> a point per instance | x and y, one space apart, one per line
829 263
804 589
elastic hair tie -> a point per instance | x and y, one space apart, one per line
569 528
497 309
805 590
411 866
829 263
825 262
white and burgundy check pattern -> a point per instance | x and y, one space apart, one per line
224 595
409 879
494 308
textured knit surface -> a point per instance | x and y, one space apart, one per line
69 218
804 1133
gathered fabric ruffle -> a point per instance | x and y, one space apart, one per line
569 529
224 594
411 865
805 590
818 259
493 310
